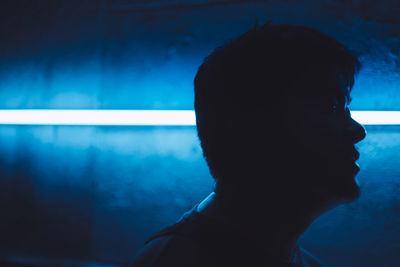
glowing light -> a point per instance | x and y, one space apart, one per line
146 117
377 117
97 117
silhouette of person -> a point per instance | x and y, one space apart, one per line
273 119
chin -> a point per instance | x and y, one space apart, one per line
350 194
344 188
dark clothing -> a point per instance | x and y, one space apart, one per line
198 240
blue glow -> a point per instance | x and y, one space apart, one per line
145 117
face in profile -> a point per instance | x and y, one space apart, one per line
323 139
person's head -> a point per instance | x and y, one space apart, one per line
272 113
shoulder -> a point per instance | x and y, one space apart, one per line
308 259
171 251
147 256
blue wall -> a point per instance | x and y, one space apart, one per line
96 193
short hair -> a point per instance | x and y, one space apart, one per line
256 72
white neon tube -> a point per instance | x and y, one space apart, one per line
97 117
145 117
377 117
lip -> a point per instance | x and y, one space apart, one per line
355 155
352 158
356 166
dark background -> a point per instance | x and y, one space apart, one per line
93 194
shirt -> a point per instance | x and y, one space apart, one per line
197 240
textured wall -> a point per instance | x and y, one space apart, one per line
96 193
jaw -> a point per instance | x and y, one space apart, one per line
340 188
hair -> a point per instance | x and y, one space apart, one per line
241 83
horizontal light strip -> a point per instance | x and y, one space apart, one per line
377 117
97 117
146 117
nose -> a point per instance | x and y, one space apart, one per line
355 131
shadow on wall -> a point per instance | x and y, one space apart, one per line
92 193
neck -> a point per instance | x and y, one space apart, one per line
279 219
